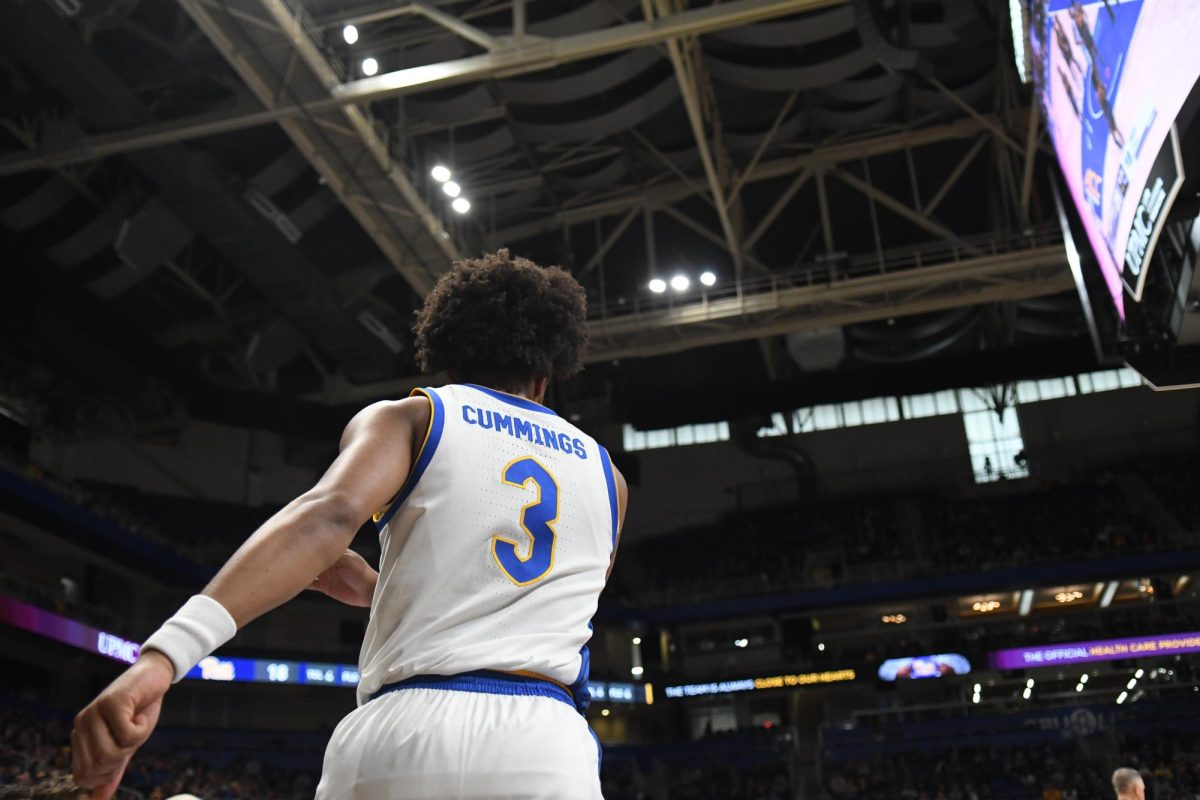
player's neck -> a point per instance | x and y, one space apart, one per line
533 389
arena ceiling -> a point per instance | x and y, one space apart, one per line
210 209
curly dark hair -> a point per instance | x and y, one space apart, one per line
502 319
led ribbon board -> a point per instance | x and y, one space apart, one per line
759 684
1166 644
256 670
235 670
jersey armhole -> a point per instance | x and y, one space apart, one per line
433 435
611 482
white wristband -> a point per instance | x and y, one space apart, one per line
198 628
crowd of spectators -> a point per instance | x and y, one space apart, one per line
754 764
1174 480
1168 761
822 541
98 503
35 762
837 540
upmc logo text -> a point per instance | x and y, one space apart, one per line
116 647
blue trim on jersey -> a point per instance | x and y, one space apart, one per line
579 687
437 420
599 750
511 399
606 462
483 681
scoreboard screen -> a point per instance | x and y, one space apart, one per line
1113 77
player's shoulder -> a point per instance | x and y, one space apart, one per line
383 416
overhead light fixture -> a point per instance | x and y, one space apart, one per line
604 712
1029 683
740 642
350 34
452 188
657 285
440 173
1132 683
985 606
680 283
1121 697
1139 673
1083 678
978 688
893 619
1110 591
1027 693
461 204
1079 687
636 672
370 66
637 640
1069 597
708 278
821 646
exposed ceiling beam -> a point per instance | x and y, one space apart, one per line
419 260
775 310
688 74
816 158
518 57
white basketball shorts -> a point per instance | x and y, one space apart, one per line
423 743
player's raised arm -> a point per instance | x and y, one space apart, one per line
275 564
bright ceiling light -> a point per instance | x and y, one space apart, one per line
350 34
680 283
452 188
636 672
708 278
461 204
440 173
637 640
740 642
370 66
657 285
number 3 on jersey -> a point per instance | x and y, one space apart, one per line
537 520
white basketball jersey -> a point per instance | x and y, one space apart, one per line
496 550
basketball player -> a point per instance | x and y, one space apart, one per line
498 522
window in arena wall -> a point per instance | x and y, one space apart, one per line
704 433
995 443
889 409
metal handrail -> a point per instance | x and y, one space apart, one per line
830 271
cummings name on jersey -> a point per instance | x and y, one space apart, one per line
519 428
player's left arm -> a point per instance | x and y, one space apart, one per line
622 506
275 564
